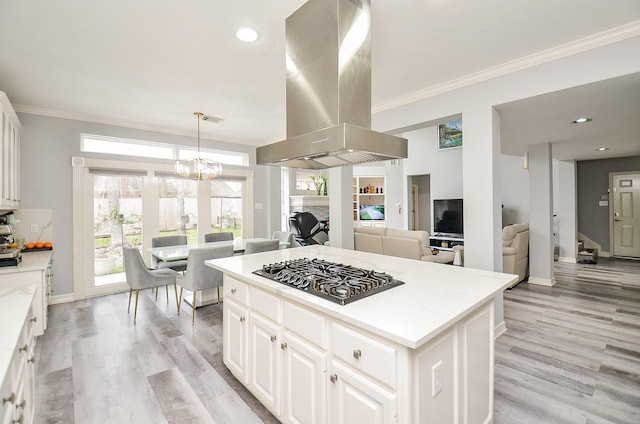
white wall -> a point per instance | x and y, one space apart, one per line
444 167
47 145
515 190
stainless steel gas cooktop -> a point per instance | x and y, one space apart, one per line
337 282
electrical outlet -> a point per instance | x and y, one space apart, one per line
436 379
35 228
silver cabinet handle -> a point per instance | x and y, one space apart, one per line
357 353
9 399
333 378
233 291
24 348
273 338
242 319
34 319
283 346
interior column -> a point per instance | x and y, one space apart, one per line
567 212
540 215
340 191
481 192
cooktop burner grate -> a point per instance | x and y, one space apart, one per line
337 282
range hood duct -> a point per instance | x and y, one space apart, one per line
328 61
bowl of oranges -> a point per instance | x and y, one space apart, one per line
38 245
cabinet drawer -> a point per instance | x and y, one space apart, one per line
306 324
236 290
266 304
376 359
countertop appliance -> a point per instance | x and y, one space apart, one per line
333 281
9 256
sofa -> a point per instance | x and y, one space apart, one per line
401 243
515 251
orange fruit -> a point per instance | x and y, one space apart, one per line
39 245
48 244
30 245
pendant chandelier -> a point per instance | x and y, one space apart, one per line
198 168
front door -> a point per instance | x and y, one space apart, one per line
626 215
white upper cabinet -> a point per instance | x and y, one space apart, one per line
10 129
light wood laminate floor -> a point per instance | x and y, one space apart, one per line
571 354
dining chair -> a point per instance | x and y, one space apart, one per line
163 241
285 236
200 276
224 236
140 277
261 246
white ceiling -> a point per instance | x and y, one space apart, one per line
151 64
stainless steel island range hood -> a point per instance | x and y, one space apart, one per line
328 61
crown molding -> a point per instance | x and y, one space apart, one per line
600 39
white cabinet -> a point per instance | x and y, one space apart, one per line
235 328
264 344
311 367
10 129
304 382
355 399
32 271
17 389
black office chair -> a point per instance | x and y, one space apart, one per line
307 229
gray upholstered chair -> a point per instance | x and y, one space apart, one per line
140 277
261 246
285 236
224 236
200 276
163 241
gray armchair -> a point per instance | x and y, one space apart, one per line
261 246
224 236
200 276
140 277
175 240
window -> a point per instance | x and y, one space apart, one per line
148 149
226 206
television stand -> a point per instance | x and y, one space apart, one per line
445 242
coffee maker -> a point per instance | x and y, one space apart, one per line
10 254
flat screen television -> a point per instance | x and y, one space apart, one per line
447 217
371 212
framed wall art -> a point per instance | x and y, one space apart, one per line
450 135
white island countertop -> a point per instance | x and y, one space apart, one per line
434 296
14 307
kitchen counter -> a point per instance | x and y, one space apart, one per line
433 297
31 261
35 268
420 352
14 304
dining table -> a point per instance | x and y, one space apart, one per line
180 252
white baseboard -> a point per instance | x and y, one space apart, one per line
542 281
61 298
568 260
499 329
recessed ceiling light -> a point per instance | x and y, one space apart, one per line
602 149
582 120
246 34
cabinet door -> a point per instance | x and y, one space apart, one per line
25 278
235 336
356 399
265 361
305 386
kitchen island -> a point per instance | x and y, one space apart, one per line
419 352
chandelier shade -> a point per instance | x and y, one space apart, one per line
198 168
